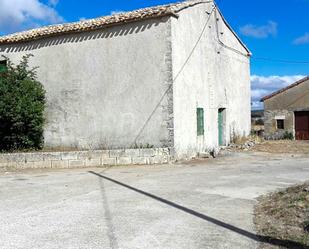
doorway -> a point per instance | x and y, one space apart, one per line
221 126
302 125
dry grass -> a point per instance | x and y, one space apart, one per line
238 140
284 215
283 146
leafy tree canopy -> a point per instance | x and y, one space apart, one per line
22 102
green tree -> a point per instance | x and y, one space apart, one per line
22 102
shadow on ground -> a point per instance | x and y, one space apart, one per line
265 239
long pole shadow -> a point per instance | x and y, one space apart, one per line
108 217
259 238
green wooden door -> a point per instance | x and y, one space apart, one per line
200 121
220 126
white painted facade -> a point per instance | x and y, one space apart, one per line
115 87
214 78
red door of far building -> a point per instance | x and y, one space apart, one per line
302 125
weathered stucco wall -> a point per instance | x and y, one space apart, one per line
103 87
113 87
283 105
213 78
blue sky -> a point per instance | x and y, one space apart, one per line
273 29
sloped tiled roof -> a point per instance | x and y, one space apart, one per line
306 79
92 24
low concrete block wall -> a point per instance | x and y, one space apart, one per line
76 159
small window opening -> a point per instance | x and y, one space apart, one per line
3 66
280 124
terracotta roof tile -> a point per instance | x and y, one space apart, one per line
92 24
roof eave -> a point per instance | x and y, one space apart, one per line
101 22
172 14
297 83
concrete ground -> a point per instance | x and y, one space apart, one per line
203 204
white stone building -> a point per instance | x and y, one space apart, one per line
172 76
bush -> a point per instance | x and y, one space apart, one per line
288 136
22 102
259 122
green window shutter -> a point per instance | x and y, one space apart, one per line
3 66
200 121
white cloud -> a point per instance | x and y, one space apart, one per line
16 15
264 31
53 2
256 105
261 86
257 94
302 40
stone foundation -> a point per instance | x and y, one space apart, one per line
80 159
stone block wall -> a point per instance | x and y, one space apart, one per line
80 159
271 131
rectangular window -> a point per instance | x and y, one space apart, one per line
3 66
280 124
200 121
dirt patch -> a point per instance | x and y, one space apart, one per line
283 146
284 216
